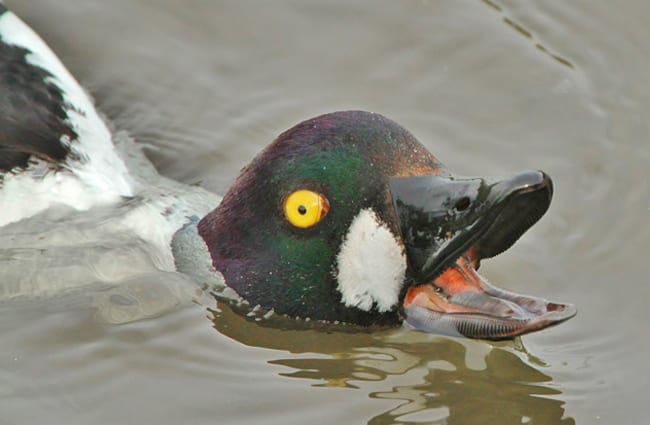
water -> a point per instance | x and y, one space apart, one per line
490 87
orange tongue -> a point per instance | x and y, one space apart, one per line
459 278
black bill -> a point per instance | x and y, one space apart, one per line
448 226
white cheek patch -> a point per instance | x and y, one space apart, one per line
371 264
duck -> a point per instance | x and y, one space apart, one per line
345 217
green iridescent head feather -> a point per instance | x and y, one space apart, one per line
347 157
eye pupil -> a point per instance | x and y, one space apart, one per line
304 208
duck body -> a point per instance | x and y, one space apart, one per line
345 217
77 201
50 132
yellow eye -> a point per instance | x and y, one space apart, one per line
304 208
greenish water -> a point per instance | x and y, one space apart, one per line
490 88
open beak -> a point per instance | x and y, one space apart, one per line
448 225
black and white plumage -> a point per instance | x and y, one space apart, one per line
80 205
33 119
53 143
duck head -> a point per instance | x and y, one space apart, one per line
347 217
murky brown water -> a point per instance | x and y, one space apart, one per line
490 87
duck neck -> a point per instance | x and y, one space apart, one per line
192 257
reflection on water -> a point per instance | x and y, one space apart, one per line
433 379
62 362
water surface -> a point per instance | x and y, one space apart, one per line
490 87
